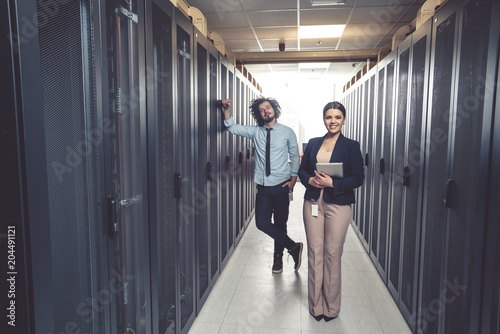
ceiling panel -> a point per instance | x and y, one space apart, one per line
324 16
216 6
378 14
361 30
254 5
226 20
383 3
278 18
236 34
356 42
242 46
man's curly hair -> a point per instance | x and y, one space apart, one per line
254 108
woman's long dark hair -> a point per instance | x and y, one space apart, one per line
254 109
334 105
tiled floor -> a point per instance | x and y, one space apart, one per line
248 298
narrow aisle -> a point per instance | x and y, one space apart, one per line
248 298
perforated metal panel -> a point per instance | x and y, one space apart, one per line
385 169
437 143
72 139
165 205
378 123
368 160
225 156
231 179
398 166
214 188
202 195
414 161
466 219
185 165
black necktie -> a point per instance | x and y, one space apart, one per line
268 152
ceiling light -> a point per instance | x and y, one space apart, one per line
323 31
327 2
303 66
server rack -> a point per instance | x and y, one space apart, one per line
440 215
104 137
231 171
215 191
402 72
469 150
162 132
203 167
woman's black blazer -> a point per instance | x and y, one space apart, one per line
346 151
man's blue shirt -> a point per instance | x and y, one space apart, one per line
283 147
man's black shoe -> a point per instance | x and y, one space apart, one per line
296 253
278 263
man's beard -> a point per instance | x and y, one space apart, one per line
267 119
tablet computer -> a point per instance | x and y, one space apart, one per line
334 169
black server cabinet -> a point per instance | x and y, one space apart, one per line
414 168
470 150
363 111
233 164
459 136
238 159
216 127
377 123
184 180
225 166
369 140
19 318
490 319
83 219
240 166
128 153
127 161
203 167
63 186
397 165
442 79
162 167
384 166
351 131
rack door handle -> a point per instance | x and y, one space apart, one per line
382 166
177 185
228 162
448 189
406 176
112 216
240 157
367 158
209 171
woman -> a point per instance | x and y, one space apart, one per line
327 209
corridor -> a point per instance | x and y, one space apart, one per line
248 298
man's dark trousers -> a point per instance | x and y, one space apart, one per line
269 200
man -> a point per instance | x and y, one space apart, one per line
274 145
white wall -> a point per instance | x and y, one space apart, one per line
302 101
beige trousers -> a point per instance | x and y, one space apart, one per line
326 235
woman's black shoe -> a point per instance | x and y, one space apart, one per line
329 318
317 317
